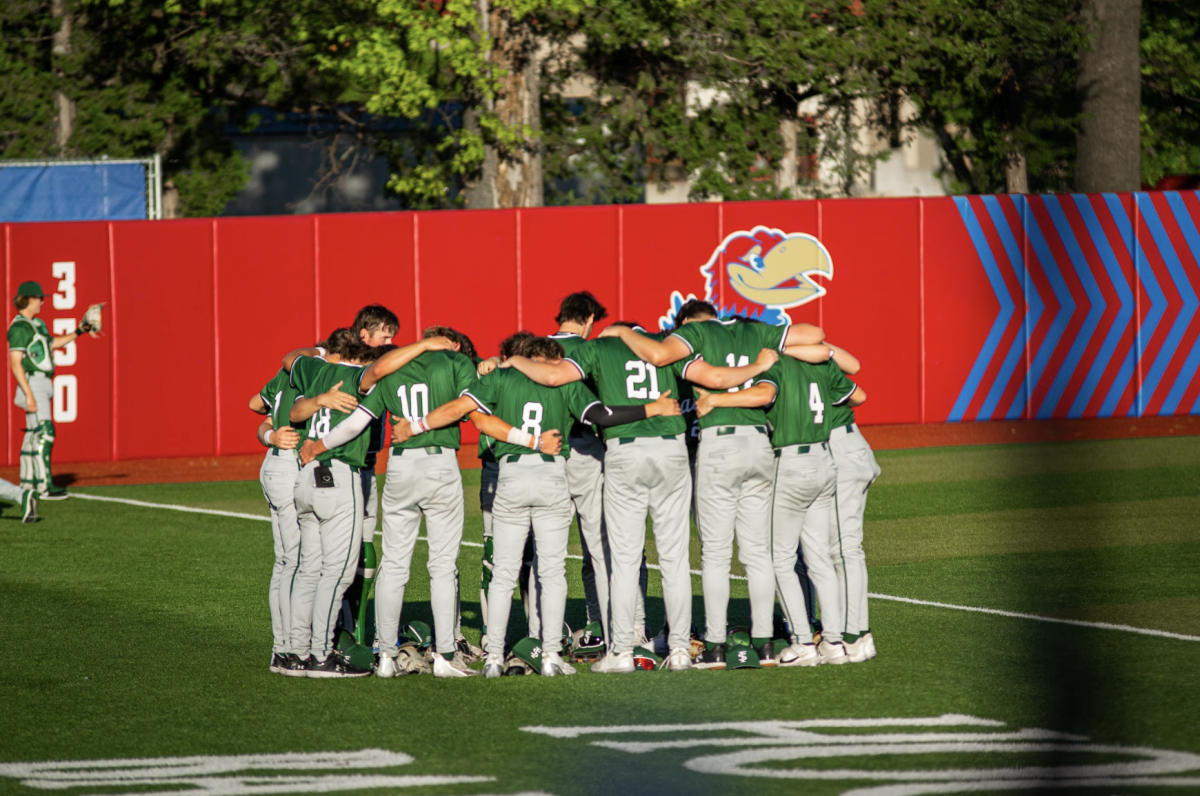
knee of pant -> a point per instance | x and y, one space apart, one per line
503 580
722 557
548 570
393 569
442 568
46 430
854 553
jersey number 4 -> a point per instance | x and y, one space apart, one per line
635 382
815 403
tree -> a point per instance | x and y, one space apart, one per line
1108 156
1170 112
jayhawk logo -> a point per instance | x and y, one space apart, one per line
760 273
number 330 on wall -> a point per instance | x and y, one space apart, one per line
66 386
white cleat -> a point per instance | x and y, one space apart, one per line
800 655
493 668
860 650
868 642
832 652
679 661
614 664
553 665
454 668
386 666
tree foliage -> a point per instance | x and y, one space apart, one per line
1170 89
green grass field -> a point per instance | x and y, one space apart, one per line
143 632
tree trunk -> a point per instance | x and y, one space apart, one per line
64 106
1108 153
511 176
1016 172
785 175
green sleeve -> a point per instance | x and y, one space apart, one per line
20 335
272 388
303 369
840 387
585 358
373 402
773 337
773 376
693 335
484 392
581 398
465 375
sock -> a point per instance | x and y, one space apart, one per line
758 642
850 638
708 645
447 655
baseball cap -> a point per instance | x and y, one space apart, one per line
741 657
30 289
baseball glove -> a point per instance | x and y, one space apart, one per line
92 320
411 661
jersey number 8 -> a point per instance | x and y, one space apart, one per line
531 417
320 424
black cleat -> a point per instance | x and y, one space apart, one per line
711 658
336 665
295 666
278 662
766 655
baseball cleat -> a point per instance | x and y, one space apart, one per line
553 665
858 649
387 667
54 493
295 666
832 652
869 643
766 655
279 662
711 658
493 668
336 665
800 655
29 501
614 664
454 668
679 661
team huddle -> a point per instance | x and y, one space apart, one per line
745 428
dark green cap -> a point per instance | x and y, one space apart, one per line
30 289
530 651
741 657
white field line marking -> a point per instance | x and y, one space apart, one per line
928 603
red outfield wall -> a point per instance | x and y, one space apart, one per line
960 309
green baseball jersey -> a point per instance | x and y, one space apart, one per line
279 395
432 379
807 395
32 338
841 414
730 344
511 396
313 376
622 379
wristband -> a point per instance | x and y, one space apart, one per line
537 445
420 426
265 437
518 437
80 332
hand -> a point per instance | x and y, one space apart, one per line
705 402
307 453
551 442
612 331
439 344
486 366
402 431
30 404
505 364
337 400
285 438
663 406
767 358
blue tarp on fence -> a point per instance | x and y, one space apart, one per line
85 192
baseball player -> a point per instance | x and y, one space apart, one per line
374 325
31 358
803 516
857 470
329 508
423 479
647 473
734 465
577 314
27 499
532 488
277 476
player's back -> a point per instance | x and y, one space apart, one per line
531 407
313 376
622 379
801 414
721 343
432 379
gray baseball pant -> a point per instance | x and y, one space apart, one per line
585 479
370 488
734 468
420 481
801 513
278 479
857 469
10 491
648 475
39 433
331 531
533 491
489 477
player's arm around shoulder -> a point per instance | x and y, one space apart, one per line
761 394
656 352
547 374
